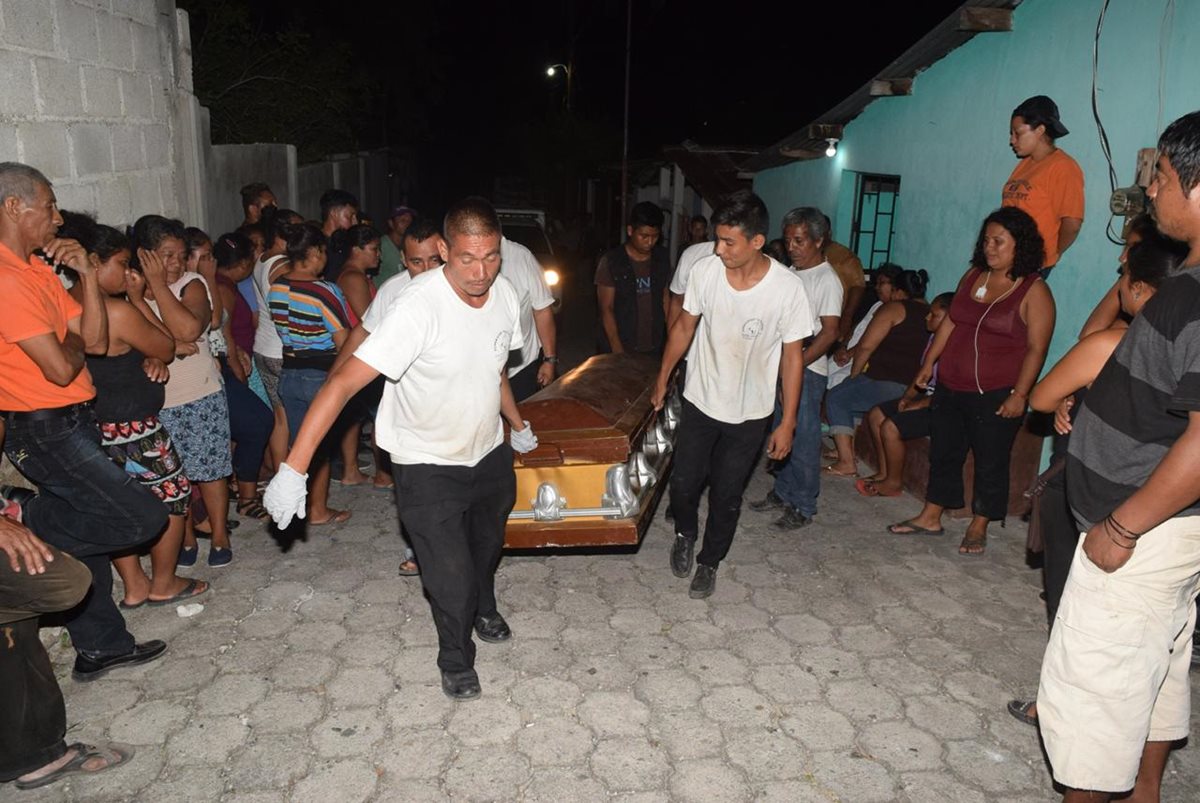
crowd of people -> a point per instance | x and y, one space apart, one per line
148 375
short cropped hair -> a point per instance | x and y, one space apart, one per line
1180 143
251 192
745 210
336 199
421 229
646 213
815 223
473 216
1030 250
20 181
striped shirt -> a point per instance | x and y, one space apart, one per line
1138 406
306 315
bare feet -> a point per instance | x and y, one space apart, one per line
839 470
355 477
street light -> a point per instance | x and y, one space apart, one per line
552 71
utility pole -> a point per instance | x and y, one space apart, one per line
625 138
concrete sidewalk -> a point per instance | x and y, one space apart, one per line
835 663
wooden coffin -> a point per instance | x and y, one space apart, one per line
602 460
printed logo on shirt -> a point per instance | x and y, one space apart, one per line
752 328
503 340
643 285
1017 190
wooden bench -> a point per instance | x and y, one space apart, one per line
1023 467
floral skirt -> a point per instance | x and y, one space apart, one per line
144 450
200 430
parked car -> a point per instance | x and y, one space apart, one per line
528 227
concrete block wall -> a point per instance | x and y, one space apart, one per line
90 97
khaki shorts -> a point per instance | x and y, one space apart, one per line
1115 673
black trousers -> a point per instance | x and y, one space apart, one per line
1060 536
33 719
724 454
962 420
455 517
524 382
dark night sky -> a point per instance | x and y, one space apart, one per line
472 73
743 73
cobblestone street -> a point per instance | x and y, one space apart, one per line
836 663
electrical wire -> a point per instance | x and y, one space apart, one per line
1104 146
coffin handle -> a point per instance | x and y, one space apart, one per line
546 454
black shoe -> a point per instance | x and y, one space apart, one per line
461 685
771 502
492 629
792 519
89 668
16 496
681 555
704 582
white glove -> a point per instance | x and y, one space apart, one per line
286 495
524 440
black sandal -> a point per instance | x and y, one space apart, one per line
252 508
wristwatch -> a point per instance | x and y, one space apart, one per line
550 359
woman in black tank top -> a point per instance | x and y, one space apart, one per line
129 395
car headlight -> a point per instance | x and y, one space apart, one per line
552 277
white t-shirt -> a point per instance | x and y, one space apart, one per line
735 354
266 336
840 373
687 260
520 266
825 299
385 296
444 358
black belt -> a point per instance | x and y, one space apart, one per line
51 414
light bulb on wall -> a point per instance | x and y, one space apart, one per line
831 149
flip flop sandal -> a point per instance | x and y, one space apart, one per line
973 545
1020 710
850 476
913 529
412 571
189 592
340 517
867 488
113 755
130 606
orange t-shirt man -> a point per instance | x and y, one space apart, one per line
35 303
1049 190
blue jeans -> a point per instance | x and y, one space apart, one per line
854 398
88 507
297 387
798 480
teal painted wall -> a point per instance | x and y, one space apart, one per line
948 141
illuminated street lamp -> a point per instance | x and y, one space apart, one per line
552 71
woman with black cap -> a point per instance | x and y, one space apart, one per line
1046 183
